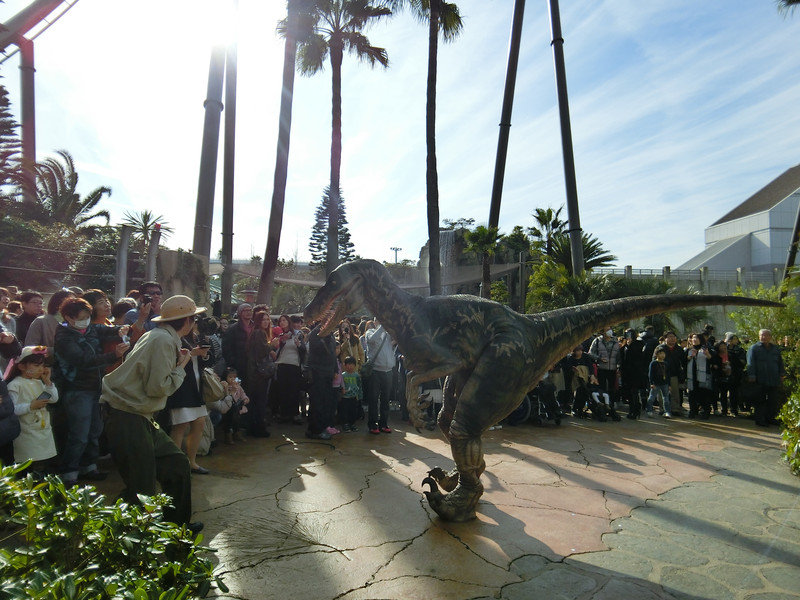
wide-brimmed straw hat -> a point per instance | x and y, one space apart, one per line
177 307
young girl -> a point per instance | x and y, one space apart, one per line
238 401
31 391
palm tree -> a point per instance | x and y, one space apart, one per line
441 17
548 225
787 6
144 224
297 24
594 255
338 28
484 241
56 190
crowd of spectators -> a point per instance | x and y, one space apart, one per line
87 378
697 377
136 379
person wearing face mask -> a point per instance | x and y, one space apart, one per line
81 361
605 350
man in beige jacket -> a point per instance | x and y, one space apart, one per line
133 393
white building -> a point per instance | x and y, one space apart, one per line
755 235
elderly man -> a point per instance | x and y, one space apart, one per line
765 367
133 393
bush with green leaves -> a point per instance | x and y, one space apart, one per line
782 322
70 544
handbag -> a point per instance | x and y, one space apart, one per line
367 368
265 368
212 387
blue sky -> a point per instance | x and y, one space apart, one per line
680 111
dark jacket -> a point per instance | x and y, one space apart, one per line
80 358
765 364
258 353
234 348
658 373
738 359
9 423
190 392
322 352
676 358
633 366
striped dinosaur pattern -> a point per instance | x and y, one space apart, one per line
488 355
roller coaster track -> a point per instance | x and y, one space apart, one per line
37 17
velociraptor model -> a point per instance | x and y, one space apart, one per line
490 356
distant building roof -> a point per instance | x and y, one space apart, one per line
776 190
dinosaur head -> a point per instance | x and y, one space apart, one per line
341 295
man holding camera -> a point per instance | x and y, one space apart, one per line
141 318
133 393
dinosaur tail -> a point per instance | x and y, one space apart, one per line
558 331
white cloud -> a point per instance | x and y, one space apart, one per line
679 110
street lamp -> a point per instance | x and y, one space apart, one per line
396 250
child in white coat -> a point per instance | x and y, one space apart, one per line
31 391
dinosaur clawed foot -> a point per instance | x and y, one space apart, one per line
458 505
447 481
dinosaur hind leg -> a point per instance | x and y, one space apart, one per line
447 481
459 504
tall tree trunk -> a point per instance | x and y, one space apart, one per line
332 261
267 283
432 176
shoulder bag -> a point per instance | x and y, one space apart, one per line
367 367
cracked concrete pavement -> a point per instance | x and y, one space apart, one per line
646 509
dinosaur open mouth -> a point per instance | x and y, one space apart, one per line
335 309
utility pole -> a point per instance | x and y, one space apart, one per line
575 237
396 250
505 113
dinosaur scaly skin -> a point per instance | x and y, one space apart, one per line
489 355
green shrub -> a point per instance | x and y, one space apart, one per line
69 544
790 416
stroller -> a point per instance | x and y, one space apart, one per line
543 406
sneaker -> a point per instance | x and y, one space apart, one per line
375 431
385 430
353 428
322 435
667 416
346 428
650 413
332 430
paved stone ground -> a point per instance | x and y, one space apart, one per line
648 509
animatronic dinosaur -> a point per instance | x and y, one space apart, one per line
490 355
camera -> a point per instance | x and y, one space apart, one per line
146 299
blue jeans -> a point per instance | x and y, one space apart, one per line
664 391
84 427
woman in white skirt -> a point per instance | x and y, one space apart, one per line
187 410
